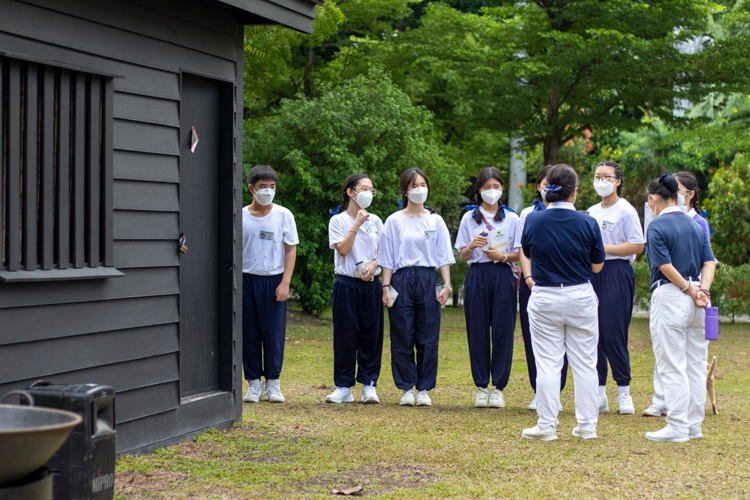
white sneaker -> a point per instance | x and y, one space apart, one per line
540 435
669 435
625 404
577 432
603 404
497 400
340 395
254 392
423 399
273 391
407 398
483 398
655 411
369 396
532 405
695 432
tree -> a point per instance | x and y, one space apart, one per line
552 69
366 125
728 207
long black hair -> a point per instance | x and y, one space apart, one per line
618 172
409 175
485 175
665 187
562 180
691 184
351 183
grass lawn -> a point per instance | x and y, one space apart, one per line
305 447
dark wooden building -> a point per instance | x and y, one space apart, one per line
101 103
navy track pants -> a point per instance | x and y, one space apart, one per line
490 301
615 287
263 327
523 297
357 331
415 323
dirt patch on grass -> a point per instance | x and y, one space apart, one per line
137 484
304 319
377 479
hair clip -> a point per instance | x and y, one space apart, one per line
335 212
552 188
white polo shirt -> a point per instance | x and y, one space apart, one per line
415 241
263 240
365 247
618 223
505 236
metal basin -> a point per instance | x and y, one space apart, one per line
29 436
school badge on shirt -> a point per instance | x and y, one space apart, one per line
266 235
608 226
371 227
430 234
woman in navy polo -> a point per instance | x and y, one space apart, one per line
678 252
563 247
524 292
488 239
615 285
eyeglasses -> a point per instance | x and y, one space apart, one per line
608 178
373 191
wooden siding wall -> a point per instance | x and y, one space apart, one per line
124 332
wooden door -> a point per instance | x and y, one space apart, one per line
199 222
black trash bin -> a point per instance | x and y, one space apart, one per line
84 467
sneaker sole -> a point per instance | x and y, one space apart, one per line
497 405
406 404
678 440
250 400
627 412
477 405
544 438
346 400
371 401
585 436
424 404
647 414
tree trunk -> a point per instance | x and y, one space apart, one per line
552 141
551 149
310 73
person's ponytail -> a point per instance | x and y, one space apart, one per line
665 187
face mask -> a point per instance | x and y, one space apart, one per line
603 188
364 199
418 195
680 199
264 196
492 195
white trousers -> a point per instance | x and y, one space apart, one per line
681 349
565 320
658 399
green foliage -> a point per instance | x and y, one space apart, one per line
728 207
366 125
458 277
642 285
731 290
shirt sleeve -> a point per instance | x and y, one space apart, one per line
336 231
515 234
657 248
245 236
385 246
597 249
526 241
290 230
443 243
632 229
463 238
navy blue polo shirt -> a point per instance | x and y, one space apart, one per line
562 244
675 238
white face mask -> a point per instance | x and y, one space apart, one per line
492 195
604 188
364 199
264 196
418 195
680 199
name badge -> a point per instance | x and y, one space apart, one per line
430 234
499 240
371 227
266 235
608 226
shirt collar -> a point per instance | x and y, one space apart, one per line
670 210
692 212
562 204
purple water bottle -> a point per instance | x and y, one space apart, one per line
712 323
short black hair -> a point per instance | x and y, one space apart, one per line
261 172
665 187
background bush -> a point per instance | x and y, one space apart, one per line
367 125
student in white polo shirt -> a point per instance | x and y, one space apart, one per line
565 248
415 242
269 250
357 293
615 284
488 239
